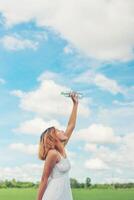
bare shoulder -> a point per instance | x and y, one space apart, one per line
52 155
49 163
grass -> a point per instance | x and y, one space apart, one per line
78 194
103 194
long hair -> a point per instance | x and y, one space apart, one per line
48 141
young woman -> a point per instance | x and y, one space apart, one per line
55 181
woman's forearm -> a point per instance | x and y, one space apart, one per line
72 119
41 190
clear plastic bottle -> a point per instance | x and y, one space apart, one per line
67 94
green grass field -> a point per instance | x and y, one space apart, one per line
78 194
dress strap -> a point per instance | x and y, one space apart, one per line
59 154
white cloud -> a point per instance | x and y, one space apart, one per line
32 149
90 147
68 49
107 84
119 159
28 171
123 103
101 30
85 77
101 81
16 43
36 126
40 35
17 93
22 173
98 134
2 81
48 75
46 101
27 149
119 117
96 164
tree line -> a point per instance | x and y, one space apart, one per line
74 184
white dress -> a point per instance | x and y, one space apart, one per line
58 186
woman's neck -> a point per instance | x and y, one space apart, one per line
60 148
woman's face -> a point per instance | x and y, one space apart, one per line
61 135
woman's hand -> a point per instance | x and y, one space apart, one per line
74 97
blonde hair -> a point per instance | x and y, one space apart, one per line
48 141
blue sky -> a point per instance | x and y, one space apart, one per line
40 56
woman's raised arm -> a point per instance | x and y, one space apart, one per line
73 116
